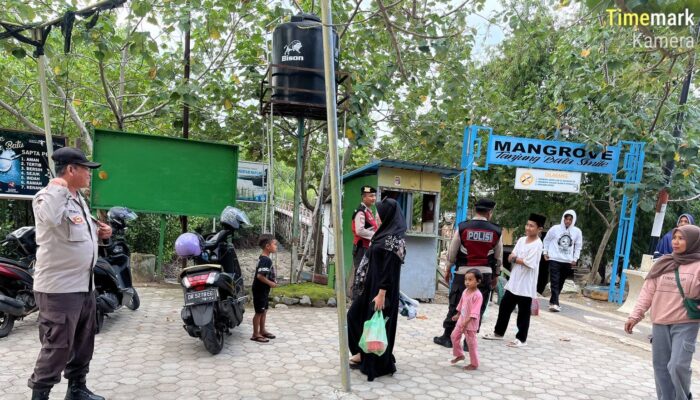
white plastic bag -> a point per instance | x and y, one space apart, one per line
407 306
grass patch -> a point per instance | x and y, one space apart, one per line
313 290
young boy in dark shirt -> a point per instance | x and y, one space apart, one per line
263 281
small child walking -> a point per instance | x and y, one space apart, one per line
263 281
467 317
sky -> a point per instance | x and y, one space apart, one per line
488 34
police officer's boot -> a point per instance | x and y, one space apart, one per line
443 340
40 394
78 391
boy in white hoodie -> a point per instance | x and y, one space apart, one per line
562 248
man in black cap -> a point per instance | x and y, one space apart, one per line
521 289
363 227
475 244
67 238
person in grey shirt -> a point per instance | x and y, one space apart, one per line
67 238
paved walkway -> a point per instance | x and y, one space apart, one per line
147 355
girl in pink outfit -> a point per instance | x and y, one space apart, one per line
467 317
674 332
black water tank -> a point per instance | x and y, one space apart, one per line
299 43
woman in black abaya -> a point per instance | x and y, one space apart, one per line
380 291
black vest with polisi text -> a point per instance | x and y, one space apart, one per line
479 237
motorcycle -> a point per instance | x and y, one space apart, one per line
113 281
16 278
213 288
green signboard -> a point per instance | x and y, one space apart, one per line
157 174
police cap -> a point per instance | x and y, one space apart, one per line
368 190
71 155
484 205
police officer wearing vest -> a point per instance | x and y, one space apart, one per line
67 237
476 244
363 227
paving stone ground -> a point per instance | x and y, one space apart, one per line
147 355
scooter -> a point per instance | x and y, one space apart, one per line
16 278
213 288
113 281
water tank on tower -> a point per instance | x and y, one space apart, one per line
297 50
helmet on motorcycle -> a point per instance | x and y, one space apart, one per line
118 216
189 244
233 218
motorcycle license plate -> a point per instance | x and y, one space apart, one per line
201 297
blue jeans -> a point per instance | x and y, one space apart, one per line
672 349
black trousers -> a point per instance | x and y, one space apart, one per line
456 290
67 324
508 303
558 272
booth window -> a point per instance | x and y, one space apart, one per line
423 215
420 210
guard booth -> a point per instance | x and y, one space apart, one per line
416 187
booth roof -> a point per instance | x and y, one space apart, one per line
372 168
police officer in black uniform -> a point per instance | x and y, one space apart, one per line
476 244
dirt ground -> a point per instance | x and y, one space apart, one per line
248 259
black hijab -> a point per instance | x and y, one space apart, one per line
391 232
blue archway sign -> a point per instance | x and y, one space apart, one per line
565 156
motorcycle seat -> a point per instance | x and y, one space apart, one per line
200 268
213 241
14 263
228 278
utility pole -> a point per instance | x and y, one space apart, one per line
332 123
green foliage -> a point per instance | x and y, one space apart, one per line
313 290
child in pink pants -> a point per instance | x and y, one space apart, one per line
467 317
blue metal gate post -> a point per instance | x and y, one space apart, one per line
633 166
465 178
471 138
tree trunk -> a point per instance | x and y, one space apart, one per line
304 166
186 108
318 224
314 228
601 250
346 157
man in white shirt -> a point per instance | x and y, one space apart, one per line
562 248
521 288
67 237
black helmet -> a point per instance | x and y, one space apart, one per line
118 216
